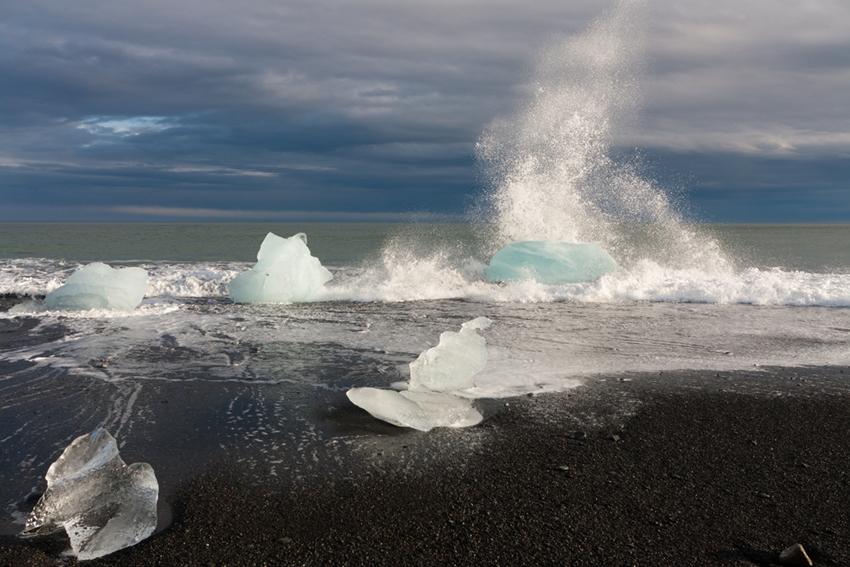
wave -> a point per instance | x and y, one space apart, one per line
399 277
432 278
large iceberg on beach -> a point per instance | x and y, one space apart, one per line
95 286
550 262
285 272
102 504
435 377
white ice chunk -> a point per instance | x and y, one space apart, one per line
285 272
550 262
418 410
95 286
429 402
452 364
101 503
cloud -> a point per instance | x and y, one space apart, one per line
130 126
374 106
750 77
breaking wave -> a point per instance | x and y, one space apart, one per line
399 276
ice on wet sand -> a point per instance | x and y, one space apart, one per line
454 362
96 286
550 262
285 272
435 376
102 504
417 410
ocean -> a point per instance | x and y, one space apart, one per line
190 377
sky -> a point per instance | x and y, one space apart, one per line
370 110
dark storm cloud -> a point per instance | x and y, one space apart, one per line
745 187
299 106
116 111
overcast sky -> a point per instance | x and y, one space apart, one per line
370 110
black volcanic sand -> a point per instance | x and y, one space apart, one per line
687 476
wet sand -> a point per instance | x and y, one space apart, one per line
695 471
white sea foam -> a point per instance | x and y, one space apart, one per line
401 277
192 280
33 276
533 347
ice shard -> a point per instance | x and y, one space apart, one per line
550 262
102 504
430 400
285 272
418 410
454 362
95 286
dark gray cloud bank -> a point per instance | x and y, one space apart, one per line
370 110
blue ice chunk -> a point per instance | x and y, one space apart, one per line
95 286
285 272
550 262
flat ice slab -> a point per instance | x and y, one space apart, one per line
435 376
95 286
101 503
418 410
285 272
550 262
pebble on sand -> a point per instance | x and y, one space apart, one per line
795 556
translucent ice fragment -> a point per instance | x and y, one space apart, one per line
285 272
101 503
452 364
429 402
95 286
418 410
550 262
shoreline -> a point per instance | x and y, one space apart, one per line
686 475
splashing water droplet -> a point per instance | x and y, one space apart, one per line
551 167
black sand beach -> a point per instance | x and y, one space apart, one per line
697 472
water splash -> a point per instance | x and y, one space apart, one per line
551 167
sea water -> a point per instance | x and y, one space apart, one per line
785 304
190 377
